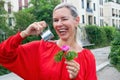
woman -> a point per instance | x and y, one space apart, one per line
35 60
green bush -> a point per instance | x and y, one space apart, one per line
3 71
96 35
109 33
114 55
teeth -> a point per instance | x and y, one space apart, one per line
62 30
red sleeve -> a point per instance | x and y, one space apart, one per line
20 59
8 48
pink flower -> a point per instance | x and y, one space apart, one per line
65 48
64 53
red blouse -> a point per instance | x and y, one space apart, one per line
35 60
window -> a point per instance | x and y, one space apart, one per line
119 13
9 7
88 5
101 2
113 12
9 10
83 19
20 4
94 7
94 20
82 4
101 12
26 3
116 13
10 21
119 23
113 22
101 22
90 20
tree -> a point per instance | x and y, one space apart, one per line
23 19
2 10
43 11
4 30
2 16
3 26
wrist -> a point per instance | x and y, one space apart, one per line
23 34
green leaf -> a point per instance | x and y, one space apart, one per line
58 57
70 55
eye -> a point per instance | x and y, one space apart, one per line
55 20
64 19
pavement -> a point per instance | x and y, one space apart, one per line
101 56
104 70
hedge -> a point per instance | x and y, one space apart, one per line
114 55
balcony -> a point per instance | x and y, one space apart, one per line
89 10
88 0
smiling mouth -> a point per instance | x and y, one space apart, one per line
63 31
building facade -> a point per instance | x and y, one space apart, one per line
98 12
112 14
14 6
94 12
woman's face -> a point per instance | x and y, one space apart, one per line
64 23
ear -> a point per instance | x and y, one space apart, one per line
77 20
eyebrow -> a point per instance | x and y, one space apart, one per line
62 17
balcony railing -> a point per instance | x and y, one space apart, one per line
89 10
88 0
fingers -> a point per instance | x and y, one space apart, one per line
43 23
39 25
73 68
73 63
36 28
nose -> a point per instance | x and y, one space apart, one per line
59 23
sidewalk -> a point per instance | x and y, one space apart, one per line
101 55
108 73
105 70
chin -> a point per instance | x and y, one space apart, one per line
64 38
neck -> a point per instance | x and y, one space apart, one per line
71 43
66 42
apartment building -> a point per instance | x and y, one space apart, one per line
95 12
112 14
14 6
98 12
90 11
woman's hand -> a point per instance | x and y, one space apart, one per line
33 29
73 68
